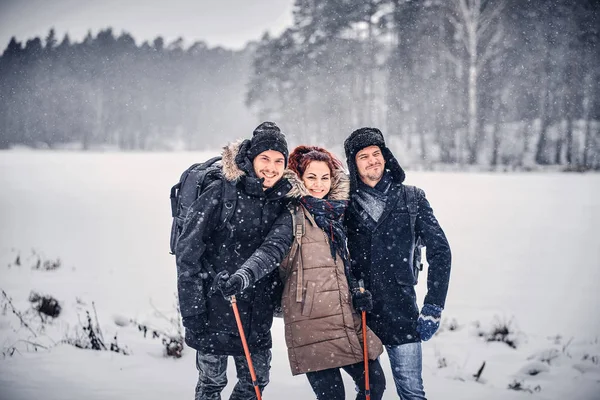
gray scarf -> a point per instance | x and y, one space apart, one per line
373 200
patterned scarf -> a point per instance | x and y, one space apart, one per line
329 216
373 200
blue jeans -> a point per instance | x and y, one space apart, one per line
406 361
212 375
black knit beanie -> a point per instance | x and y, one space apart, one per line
365 137
268 136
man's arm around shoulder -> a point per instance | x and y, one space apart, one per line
273 249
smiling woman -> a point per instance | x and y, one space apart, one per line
315 167
320 298
317 179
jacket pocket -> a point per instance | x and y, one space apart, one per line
309 297
409 297
406 276
405 272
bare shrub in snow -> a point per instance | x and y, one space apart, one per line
7 301
593 359
172 342
114 346
88 335
520 386
173 346
171 338
566 346
442 363
9 351
45 305
47 265
38 261
546 356
451 326
501 330
534 368
28 342
555 339
477 375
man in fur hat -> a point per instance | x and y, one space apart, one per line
241 259
382 243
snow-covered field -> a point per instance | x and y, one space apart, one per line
526 252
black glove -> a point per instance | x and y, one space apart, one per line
195 323
231 285
362 301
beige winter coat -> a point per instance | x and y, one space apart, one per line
322 329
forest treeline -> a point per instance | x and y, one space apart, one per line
107 90
491 82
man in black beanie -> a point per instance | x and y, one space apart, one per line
387 223
267 143
241 258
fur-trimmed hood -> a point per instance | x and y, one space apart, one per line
340 185
231 171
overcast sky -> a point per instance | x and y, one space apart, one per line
229 23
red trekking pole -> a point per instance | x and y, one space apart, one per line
365 348
246 351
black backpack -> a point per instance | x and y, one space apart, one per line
413 210
191 184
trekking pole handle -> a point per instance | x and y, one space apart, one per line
361 286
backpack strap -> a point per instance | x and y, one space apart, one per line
413 211
229 198
413 208
174 205
299 230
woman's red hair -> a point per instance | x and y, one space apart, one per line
304 155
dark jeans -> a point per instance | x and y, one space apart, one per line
212 379
328 384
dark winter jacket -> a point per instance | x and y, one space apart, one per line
322 329
381 252
258 237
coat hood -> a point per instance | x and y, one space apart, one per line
231 170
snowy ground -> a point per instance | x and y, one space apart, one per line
525 252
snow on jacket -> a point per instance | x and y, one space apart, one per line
258 237
322 329
380 254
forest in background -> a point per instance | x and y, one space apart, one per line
107 90
458 82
